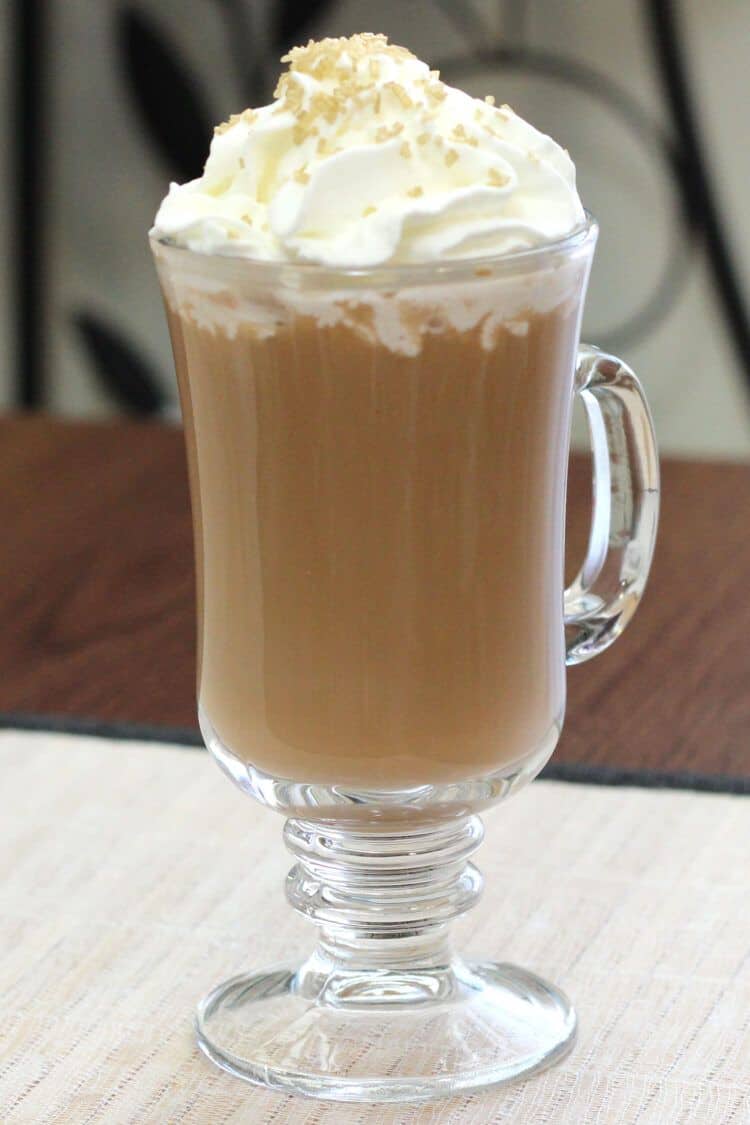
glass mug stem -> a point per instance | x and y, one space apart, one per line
383 903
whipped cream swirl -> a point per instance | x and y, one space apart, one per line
366 158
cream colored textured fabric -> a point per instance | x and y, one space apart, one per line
134 877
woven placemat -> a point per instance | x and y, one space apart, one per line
134 877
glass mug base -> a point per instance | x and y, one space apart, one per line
383 1010
385 1035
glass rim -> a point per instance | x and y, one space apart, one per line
517 261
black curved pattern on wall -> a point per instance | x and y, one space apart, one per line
171 107
27 195
132 382
175 116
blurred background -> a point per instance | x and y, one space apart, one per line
109 100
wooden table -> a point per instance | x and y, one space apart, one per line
97 610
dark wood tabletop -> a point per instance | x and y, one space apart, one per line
97 600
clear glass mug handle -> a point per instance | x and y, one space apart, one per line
605 594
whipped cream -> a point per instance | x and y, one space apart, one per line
366 158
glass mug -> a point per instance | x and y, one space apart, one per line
378 464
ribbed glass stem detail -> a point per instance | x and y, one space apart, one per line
383 901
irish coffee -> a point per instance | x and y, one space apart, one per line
374 293
379 536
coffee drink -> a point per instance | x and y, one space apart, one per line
380 544
374 294
378 460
